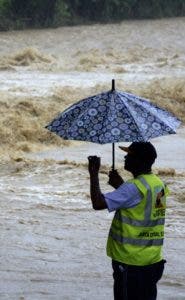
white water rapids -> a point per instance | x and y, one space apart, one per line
52 242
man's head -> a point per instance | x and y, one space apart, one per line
140 157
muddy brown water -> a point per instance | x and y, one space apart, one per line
52 242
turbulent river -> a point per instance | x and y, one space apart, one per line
52 242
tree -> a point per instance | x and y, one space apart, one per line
37 11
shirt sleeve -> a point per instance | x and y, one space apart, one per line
126 196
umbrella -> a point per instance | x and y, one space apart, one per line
113 116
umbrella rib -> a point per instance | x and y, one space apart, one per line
130 113
164 121
155 113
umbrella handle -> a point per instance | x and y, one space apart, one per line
113 156
113 85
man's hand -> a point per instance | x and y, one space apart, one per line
115 179
94 164
97 198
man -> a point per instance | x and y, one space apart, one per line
136 235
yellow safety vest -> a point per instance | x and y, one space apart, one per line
136 234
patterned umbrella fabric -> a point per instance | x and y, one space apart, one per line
113 116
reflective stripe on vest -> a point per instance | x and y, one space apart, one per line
139 242
146 222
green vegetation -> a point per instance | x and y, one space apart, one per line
16 14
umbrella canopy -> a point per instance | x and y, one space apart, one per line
113 116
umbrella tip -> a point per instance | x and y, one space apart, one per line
113 84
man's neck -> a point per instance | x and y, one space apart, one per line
138 173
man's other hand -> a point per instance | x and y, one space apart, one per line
115 179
